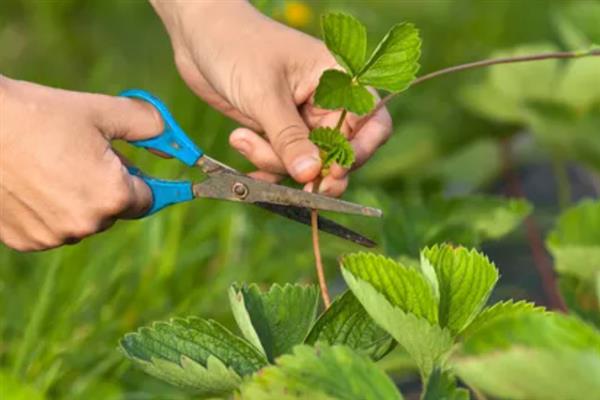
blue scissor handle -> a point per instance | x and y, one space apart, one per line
172 141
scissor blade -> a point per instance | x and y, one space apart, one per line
227 185
302 215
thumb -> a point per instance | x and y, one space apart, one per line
140 198
288 134
126 118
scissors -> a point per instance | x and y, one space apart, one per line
226 183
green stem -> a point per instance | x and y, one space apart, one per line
340 122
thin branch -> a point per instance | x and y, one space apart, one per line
314 222
481 64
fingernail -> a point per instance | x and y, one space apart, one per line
304 164
243 146
324 188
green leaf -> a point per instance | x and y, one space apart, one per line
401 286
337 90
575 241
581 297
196 354
277 320
501 310
465 279
523 373
532 355
346 322
335 148
346 38
547 330
321 372
442 386
394 63
391 300
490 217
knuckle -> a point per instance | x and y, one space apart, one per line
290 138
118 201
78 229
117 195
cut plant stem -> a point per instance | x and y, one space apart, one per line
314 222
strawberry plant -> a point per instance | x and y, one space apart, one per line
432 308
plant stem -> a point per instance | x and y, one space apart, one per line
340 122
314 222
480 64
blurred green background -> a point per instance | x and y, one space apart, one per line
533 126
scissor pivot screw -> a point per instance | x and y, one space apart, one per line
240 190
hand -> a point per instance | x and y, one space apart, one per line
60 180
263 75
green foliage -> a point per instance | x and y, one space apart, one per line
392 65
346 322
575 245
401 286
338 90
442 386
321 373
346 38
401 301
575 241
463 280
11 388
499 310
196 354
533 374
277 320
413 223
532 356
334 146
554 99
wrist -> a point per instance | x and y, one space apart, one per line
195 22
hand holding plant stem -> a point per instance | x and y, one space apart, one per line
270 95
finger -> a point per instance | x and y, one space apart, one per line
288 134
139 198
257 150
375 132
126 118
330 186
337 172
266 176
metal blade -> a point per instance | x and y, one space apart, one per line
302 215
228 184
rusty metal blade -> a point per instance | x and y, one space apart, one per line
302 215
237 187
